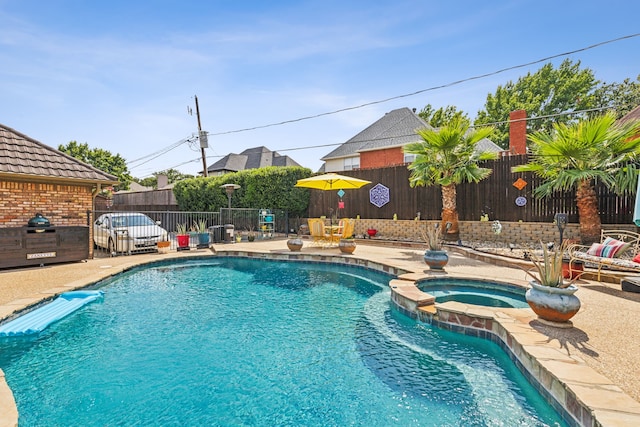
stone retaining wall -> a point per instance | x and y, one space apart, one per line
520 233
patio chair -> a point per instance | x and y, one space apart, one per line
344 229
318 232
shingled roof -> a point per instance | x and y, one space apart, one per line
395 128
632 115
251 158
25 158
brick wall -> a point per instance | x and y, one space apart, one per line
61 204
381 158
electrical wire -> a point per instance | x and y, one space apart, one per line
367 104
454 83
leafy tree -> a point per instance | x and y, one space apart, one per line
150 181
574 156
447 157
619 97
442 116
270 187
100 159
547 92
173 176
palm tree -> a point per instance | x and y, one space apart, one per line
575 156
447 157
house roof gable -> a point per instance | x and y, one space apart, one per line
22 156
251 158
395 128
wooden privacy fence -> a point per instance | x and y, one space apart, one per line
496 196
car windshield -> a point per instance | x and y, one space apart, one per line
131 221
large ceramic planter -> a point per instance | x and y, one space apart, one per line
553 304
294 244
203 240
347 246
436 260
183 241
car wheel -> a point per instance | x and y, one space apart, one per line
111 247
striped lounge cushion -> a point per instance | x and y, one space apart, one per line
609 248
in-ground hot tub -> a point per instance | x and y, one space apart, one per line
474 291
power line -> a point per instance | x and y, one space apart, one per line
159 153
454 83
360 141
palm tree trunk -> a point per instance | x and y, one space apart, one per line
590 225
450 212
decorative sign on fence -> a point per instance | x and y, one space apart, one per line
521 201
379 195
520 183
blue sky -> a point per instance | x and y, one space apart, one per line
120 75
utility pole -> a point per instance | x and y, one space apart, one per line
202 137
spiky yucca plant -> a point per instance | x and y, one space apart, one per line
200 226
181 229
431 236
549 267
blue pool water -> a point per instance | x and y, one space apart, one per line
477 292
239 342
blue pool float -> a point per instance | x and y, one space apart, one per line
38 319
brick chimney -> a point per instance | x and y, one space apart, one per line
518 132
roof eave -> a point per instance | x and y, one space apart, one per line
55 180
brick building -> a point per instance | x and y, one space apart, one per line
36 178
381 144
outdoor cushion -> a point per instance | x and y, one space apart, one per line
607 249
624 264
636 258
622 246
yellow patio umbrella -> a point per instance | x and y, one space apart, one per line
331 181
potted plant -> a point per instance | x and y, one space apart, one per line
182 237
203 235
435 257
551 297
251 235
347 245
295 243
163 246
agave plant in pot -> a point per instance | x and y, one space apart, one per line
551 297
182 236
435 256
203 235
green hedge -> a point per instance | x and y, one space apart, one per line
270 187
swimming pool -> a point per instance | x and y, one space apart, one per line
255 342
476 292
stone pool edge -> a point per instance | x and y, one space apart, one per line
583 396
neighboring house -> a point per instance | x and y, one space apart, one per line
382 143
632 115
251 158
35 178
